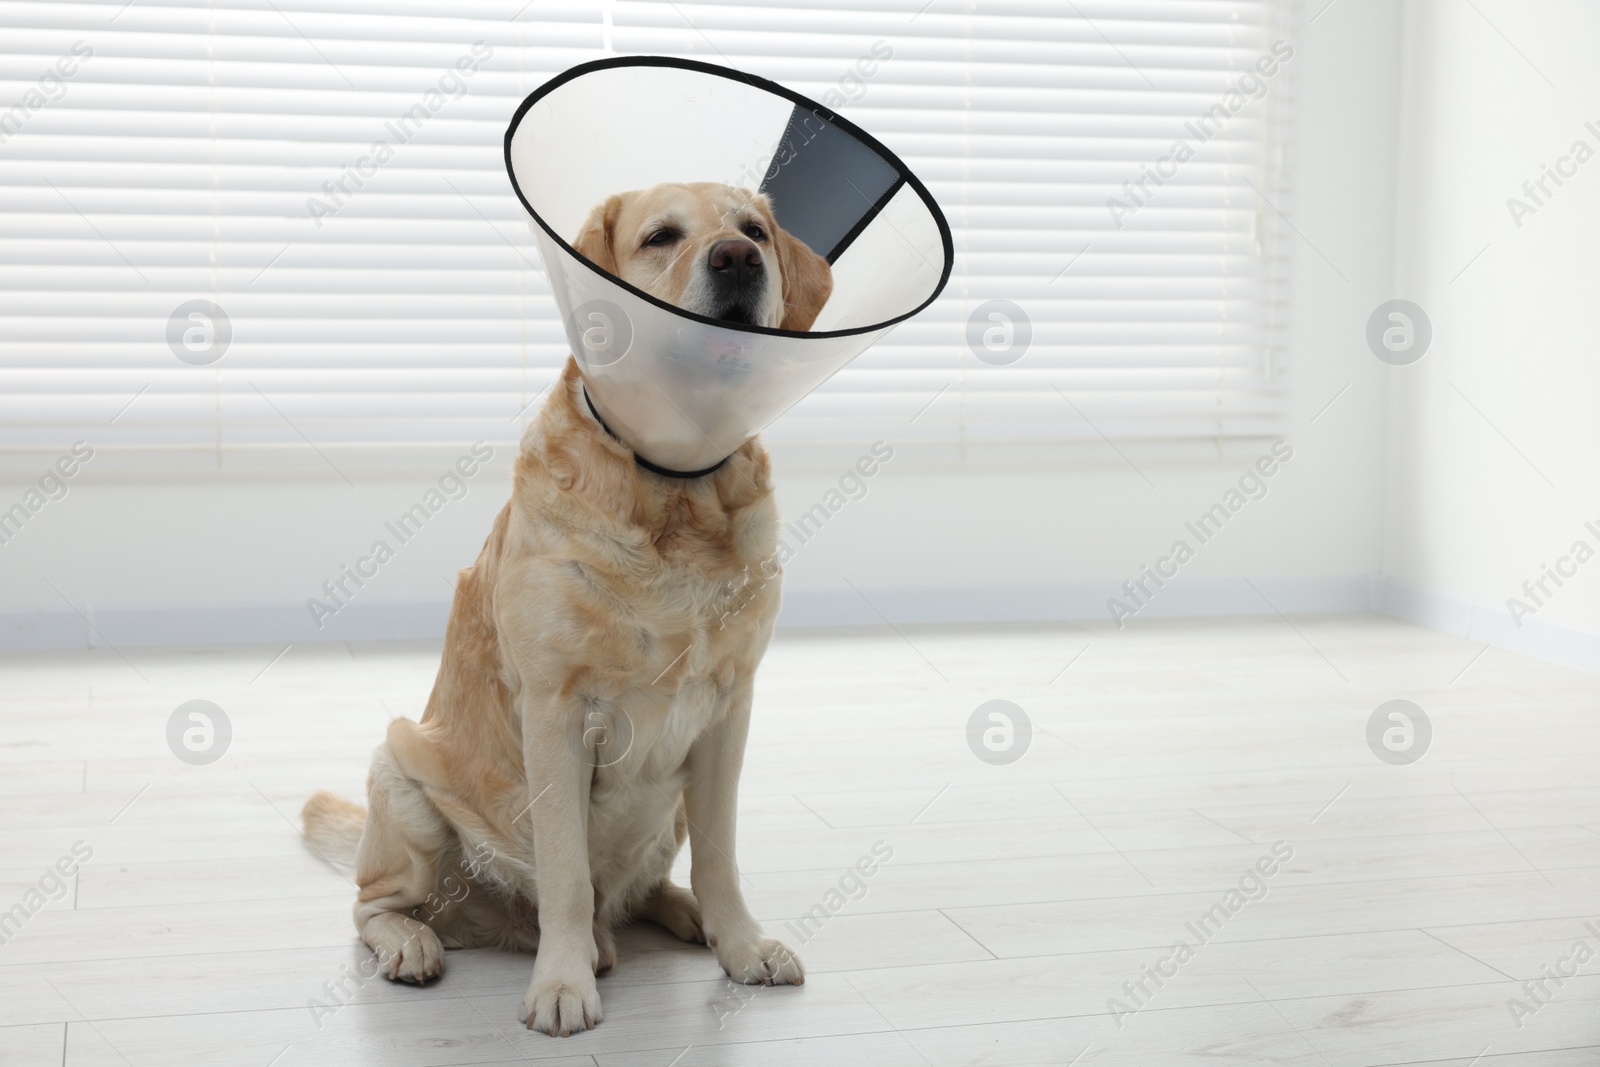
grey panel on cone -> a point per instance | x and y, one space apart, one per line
825 185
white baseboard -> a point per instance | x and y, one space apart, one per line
1493 625
266 624
189 626
1078 602
208 624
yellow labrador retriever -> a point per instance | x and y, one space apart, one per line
594 693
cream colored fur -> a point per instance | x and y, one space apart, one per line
589 715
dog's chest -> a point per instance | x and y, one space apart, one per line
700 633
695 593
644 765
671 613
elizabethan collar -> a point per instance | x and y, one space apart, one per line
682 390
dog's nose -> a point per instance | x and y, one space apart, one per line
736 261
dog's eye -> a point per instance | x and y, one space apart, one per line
755 232
661 237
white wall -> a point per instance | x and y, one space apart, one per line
1494 431
984 539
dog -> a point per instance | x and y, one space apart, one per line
594 691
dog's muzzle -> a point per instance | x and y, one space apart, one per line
738 276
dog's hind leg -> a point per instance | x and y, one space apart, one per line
397 862
665 903
605 942
675 908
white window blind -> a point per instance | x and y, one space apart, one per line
329 174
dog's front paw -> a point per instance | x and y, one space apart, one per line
561 1005
761 961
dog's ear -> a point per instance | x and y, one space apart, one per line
596 241
807 281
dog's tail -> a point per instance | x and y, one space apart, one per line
333 826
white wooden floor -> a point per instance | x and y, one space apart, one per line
1164 763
